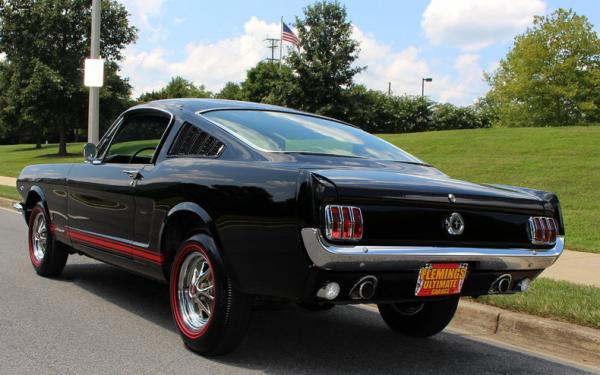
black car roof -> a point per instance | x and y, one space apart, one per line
200 105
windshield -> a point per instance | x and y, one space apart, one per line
288 132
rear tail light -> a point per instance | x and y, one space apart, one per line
542 230
343 223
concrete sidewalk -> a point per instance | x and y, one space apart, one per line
574 266
8 181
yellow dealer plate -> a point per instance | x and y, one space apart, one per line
441 279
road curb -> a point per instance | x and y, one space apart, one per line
7 203
566 340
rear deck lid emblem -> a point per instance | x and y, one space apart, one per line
454 224
452 198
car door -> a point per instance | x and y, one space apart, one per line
101 203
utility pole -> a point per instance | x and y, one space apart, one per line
389 89
281 41
94 104
272 46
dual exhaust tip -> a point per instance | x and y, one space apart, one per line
364 288
504 284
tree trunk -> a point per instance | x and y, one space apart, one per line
38 140
62 141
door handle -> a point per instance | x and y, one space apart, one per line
133 173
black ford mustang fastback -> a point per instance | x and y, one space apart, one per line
233 202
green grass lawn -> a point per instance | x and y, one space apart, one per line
9 192
14 157
554 299
563 160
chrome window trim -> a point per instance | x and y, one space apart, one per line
121 120
353 258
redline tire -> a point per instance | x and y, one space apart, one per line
413 320
177 313
230 311
48 256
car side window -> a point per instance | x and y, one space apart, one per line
136 140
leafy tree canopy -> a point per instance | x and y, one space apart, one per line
268 82
45 43
231 91
551 76
178 87
323 62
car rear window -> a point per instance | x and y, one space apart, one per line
274 131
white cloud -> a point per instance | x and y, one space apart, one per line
144 15
406 68
465 84
210 64
474 24
179 20
403 69
213 64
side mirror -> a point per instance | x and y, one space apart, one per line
90 151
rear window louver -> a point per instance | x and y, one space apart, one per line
194 142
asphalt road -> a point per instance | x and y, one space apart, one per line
98 319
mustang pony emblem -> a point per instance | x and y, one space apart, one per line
454 224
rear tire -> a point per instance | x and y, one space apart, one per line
210 314
47 255
419 319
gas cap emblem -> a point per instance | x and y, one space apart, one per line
454 224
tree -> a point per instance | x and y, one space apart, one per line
551 75
323 63
268 82
178 87
45 43
232 91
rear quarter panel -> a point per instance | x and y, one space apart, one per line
254 212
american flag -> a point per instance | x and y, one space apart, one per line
287 34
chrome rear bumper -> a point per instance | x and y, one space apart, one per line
369 258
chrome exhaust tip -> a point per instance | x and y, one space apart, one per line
364 288
501 284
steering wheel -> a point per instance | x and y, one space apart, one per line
138 151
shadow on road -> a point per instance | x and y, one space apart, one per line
343 340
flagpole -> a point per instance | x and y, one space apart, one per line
281 41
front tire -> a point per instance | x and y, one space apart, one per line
47 255
210 314
419 319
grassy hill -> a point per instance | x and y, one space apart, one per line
563 160
14 157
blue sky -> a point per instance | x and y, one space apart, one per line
452 41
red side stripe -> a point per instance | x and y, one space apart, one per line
116 246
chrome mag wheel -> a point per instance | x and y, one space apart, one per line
196 291
39 236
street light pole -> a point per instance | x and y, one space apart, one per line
423 80
94 104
